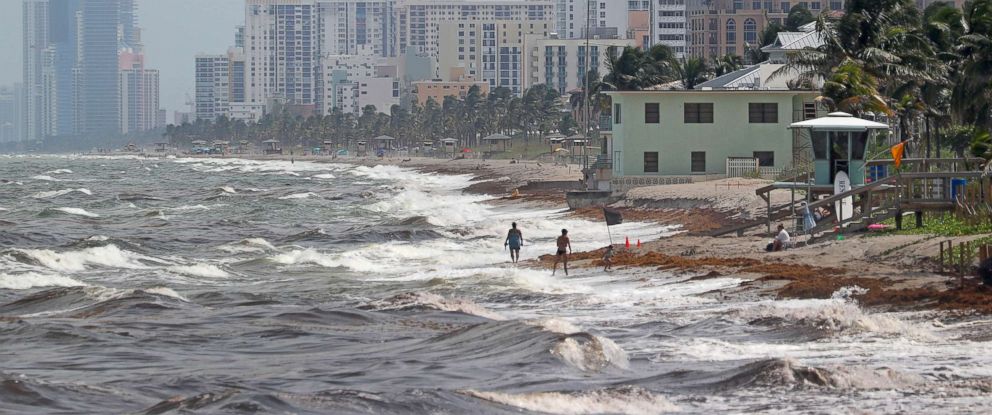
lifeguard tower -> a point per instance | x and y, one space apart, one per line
360 149
839 142
272 147
449 144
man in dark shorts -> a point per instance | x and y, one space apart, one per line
562 255
514 240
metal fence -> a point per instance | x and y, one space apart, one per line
625 183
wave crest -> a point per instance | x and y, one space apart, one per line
625 400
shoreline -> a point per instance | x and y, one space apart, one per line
882 273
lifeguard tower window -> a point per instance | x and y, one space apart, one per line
820 145
765 158
616 114
858 141
839 153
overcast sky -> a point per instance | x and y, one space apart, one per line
173 31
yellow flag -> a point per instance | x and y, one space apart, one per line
897 153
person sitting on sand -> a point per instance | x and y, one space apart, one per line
514 239
781 240
562 255
608 258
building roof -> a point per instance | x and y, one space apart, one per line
748 77
840 121
794 41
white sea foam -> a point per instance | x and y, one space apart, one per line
306 195
324 176
28 280
631 401
165 292
45 178
835 315
586 353
77 211
200 270
57 193
434 301
197 207
59 171
228 189
75 261
248 245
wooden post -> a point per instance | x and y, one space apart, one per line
961 267
919 219
898 219
941 260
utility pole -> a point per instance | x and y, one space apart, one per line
585 89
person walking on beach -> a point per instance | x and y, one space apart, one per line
562 255
608 258
514 240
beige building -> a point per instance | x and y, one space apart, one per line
487 50
726 27
561 63
437 89
418 21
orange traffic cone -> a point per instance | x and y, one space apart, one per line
638 243
626 243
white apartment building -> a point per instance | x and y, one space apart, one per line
281 51
348 25
419 20
488 50
668 24
561 63
139 99
212 86
605 18
350 82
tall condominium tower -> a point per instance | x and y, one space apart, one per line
281 51
98 81
35 28
605 19
347 26
668 24
418 21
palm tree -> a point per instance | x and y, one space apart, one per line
692 71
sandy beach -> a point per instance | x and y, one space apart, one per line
890 272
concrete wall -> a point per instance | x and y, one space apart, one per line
730 134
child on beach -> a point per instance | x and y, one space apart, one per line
608 258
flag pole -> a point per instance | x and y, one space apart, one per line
607 225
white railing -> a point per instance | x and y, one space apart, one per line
749 167
742 167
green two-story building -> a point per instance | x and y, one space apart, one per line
677 136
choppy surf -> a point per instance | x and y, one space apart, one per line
182 285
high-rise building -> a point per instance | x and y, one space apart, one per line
487 50
561 63
11 113
349 25
35 38
281 52
729 27
668 24
605 19
98 78
419 21
139 89
212 86
60 68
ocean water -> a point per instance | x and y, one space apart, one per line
153 286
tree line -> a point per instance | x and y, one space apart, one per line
927 71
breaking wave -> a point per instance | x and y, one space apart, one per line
625 400
789 373
75 211
422 300
74 261
200 270
28 280
57 193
